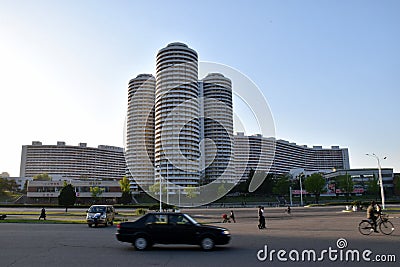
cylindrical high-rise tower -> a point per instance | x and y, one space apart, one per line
218 128
139 147
177 129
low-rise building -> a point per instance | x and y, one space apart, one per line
361 178
48 191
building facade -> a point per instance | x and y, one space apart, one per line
193 130
193 123
268 155
48 191
361 178
139 139
73 162
292 156
177 113
217 129
252 153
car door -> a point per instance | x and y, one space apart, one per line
182 230
158 229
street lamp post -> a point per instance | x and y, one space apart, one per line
167 184
380 177
301 191
179 196
159 176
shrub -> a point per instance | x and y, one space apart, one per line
140 211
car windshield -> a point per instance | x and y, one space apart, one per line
191 219
97 209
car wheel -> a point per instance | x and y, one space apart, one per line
141 243
106 224
207 243
90 225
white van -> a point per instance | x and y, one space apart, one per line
100 214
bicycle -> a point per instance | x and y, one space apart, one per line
366 227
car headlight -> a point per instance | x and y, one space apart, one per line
103 216
226 232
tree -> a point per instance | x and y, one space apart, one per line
266 187
373 187
315 184
12 185
396 184
190 191
282 185
126 197
125 184
42 177
25 187
8 185
67 197
242 187
96 193
4 175
345 184
3 185
155 188
221 190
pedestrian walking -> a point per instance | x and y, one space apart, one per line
261 218
42 214
232 216
288 210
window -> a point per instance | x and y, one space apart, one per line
178 219
158 219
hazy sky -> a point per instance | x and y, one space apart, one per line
330 70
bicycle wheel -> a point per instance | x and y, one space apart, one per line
365 227
386 227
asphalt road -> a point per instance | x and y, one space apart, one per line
314 229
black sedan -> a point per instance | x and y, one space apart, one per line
171 228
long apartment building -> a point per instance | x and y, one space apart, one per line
73 162
279 156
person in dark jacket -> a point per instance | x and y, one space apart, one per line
373 213
42 214
232 216
261 218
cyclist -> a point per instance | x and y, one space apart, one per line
373 213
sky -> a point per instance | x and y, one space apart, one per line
329 70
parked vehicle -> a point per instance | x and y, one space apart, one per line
171 228
100 214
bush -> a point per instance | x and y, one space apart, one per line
154 207
164 207
140 212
